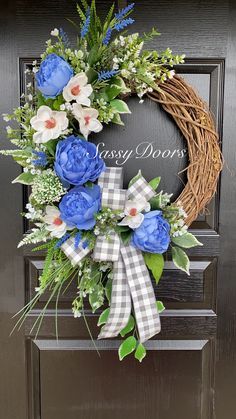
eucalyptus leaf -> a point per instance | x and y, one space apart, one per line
129 327
154 262
187 241
180 259
120 106
154 183
24 178
127 347
140 352
103 317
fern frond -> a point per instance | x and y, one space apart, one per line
81 13
36 235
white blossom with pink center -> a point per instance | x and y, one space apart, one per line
55 225
87 118
48 124
133 213
77 89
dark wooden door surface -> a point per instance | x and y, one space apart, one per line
190 371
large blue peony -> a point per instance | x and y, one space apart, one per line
53 75
77 161
153 235
79 206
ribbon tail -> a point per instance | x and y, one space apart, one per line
142 293
120 302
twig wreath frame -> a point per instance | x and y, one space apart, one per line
106 238
193 118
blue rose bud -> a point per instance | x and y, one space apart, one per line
77 161
153 235
53 75
79 206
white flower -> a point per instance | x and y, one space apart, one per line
77 313
87 119
77 89
9 129
171 74
55 225
55 32
48 124
133 213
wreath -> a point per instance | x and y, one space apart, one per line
107 239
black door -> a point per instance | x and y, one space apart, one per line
190 370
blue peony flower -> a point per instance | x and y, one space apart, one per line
79 206
153 235
77 161
53 75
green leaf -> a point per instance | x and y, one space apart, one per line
135 178
126 236
160 306
108 289
140 352
24 178
51 146
93 55
155 202
103 317
118 81
117 119
180 259
122 229
154 262
120 106
91 74
112 91
58 102
96 298
127 347
154 183
187 240
128 328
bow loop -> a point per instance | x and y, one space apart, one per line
131 278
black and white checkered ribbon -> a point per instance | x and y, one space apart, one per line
131 279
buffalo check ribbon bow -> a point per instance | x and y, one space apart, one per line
131 280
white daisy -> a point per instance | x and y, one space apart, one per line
77 89
48 124
87 118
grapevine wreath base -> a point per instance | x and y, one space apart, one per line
106 239
196 123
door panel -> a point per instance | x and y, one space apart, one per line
46 379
